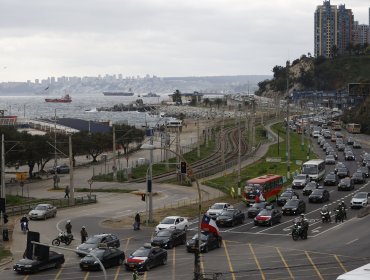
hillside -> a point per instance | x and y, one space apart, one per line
308 73
360 115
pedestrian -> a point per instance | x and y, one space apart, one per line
69 227
83 235
66 191
137 221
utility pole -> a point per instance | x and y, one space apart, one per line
239 153
287 126
3 167
55 150
223 139
149 183
71 184
198 137
114 155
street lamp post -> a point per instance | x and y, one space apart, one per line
151 147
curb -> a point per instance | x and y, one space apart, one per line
5 262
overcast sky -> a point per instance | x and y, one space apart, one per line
43 38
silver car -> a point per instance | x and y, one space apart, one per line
42 211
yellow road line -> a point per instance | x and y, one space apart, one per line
285 263
314 266
340 263
26 277
87 275
201 264
117 272
229 261
257 262
127 242
58 274
173 263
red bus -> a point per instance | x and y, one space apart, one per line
269 186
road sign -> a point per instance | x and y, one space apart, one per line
21 176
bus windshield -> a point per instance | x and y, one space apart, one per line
252 187
309 169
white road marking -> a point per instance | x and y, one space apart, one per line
350 242
315 230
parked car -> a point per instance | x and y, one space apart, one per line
208 241
217 208
173 222
110 239
61 169
256 208
359 200
319 195
329 159
300 181
331 179
285 196
346 184
268 217
230 217
358 177
168 238
145 258
55 260
109 257
42 212
307 190
294 207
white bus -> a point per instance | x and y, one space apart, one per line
361 273
314 168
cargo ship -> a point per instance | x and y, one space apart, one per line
117 93
65 99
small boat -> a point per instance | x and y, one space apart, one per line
117 93
151 94
64 99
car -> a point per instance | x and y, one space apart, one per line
145 258
230 217
285 196
350 141
319 195
358 177
110 239
42 212
333 153
208 240
329 150
300 181
346 184
338 142
255 208
217 208
307 190
340 147
364 171
349 155
331 179
359 200
338 135
61 169
173 222
327 134
109 257
326 145
356 145
294 207
342 172
322 143
168 238
329 159
55 260
268 217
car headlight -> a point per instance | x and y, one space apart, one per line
28 266
77 248
187 243
294 209
96 262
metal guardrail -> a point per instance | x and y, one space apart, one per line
59 203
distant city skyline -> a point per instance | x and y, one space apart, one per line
165 38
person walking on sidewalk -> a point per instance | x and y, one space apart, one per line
66 191
83 235
137 221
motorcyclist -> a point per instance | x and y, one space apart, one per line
344 208
304 223
68 227
325 211
24 220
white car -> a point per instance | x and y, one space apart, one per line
217 208
359 200
173 222
43 211
300 181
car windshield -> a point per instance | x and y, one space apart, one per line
357 174
330 176
360 195
203 237
93 240
40 207
164 233
317 192
310 185
258 205
168 221
98 253
227 213
330 157
217 206
292 202
141 252
300 177
265 212
342 170
345 181
286 194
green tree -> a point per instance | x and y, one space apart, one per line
218 102
176 97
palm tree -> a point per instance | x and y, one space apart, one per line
206 101
176 97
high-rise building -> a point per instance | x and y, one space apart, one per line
333 29
360 34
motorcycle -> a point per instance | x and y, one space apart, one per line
298 231
63 237
24 227
325 216
339 216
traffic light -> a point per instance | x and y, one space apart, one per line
183 167
143 196
5 216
